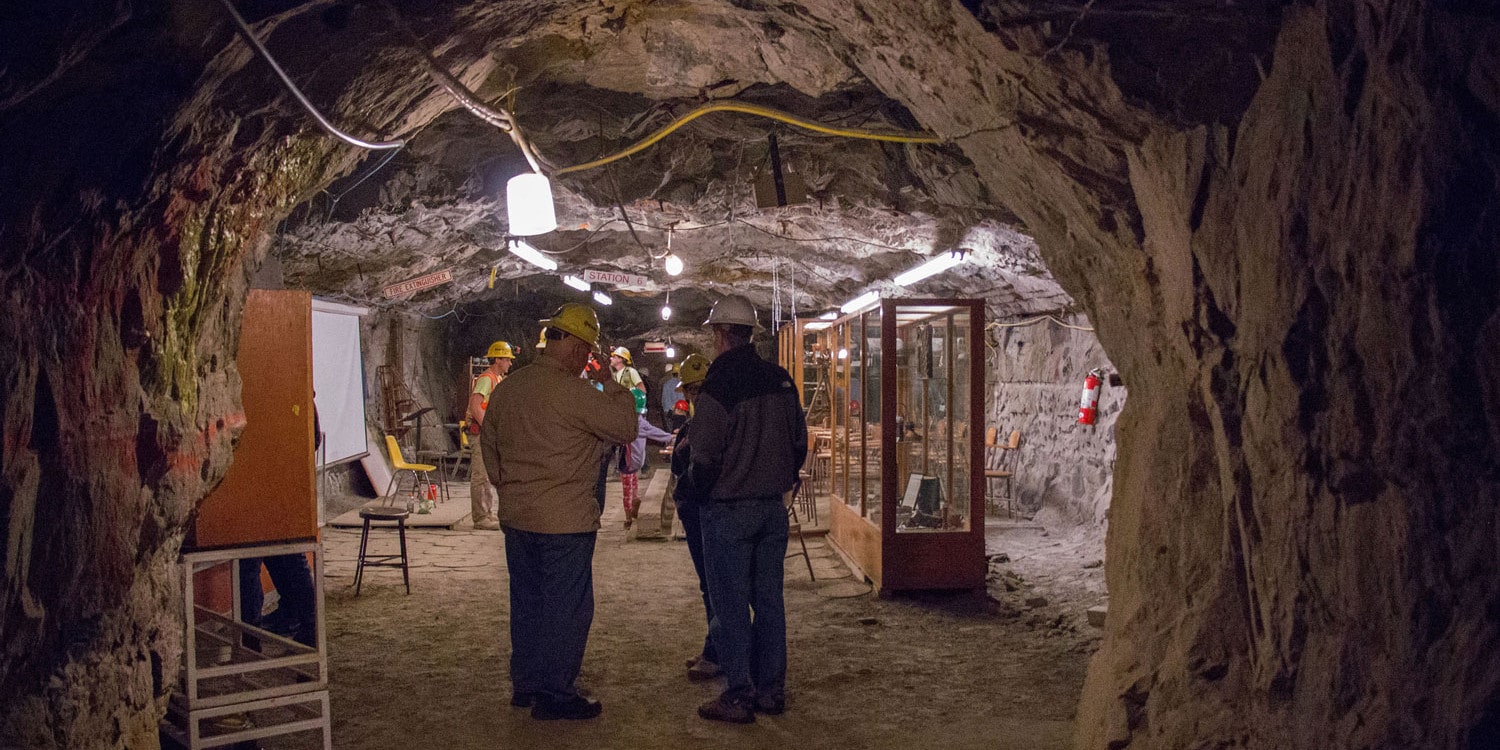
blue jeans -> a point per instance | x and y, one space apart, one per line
292 577
744 544
551 609
691 514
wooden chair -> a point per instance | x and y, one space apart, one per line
794 529
421 474
807 494
1004 468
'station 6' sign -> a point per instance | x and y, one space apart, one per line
616 279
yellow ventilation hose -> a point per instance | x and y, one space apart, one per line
752 109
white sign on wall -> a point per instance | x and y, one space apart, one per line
615 278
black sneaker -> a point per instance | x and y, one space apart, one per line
548 708
732 710
523 699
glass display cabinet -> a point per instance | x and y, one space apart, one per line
901 433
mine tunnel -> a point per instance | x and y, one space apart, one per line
1146 353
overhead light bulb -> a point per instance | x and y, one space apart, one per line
528 205
860 302
932 267
673 264
666 312
843 354
602 298
830 315
671 352
523 250
576 283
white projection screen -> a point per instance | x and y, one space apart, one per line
338 379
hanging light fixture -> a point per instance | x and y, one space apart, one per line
671 351
672 263
830 315
843 354
932 267
860 302
576 283
818 326
523 250
602 298
528 205
666 309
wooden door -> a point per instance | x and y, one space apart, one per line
269 493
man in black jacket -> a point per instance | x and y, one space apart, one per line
749 441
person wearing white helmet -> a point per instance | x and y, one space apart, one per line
630 480
481 502
749 440
556 428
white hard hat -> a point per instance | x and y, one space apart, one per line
732 310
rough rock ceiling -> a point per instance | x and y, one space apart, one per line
873 208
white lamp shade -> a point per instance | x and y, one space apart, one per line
528 205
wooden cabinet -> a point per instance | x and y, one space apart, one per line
269 493
903 425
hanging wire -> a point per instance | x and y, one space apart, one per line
759 111
296 92
1038 319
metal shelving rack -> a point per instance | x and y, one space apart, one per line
230 692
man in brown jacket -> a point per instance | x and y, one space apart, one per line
556 427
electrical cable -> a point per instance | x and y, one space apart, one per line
759 111
334 201
328 126
1034 321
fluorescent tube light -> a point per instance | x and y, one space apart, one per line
576 283
818 326
932 267
523 250
860 302
603 298
830 315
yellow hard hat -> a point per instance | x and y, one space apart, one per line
577 319
622 353
694 369
501 350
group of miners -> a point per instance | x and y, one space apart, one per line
544 435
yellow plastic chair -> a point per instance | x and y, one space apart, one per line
421 474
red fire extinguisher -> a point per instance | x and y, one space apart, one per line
1088 406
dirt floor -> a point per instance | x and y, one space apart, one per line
428 670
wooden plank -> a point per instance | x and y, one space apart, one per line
648 520
269 493
856 538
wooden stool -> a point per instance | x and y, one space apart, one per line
399 515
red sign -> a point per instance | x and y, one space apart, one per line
656 347
418 284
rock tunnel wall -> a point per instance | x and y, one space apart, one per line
1063 470
1302 297
1301 291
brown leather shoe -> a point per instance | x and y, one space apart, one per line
704 669
732 710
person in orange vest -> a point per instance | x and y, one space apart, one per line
482 502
